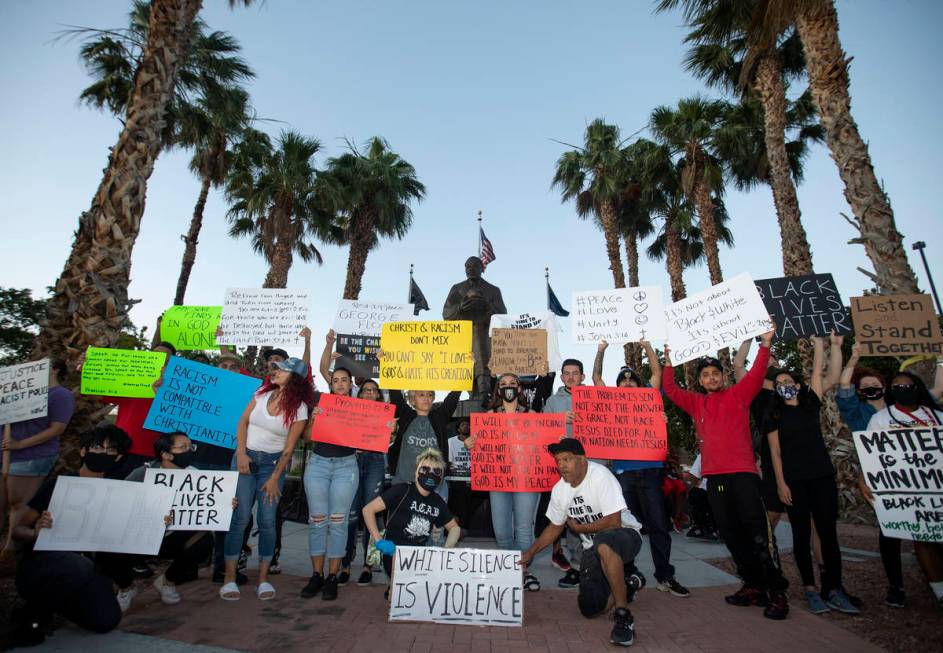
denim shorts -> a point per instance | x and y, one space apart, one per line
34 467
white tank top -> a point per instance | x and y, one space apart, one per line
267 433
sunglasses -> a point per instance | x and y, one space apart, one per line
426 469
903 386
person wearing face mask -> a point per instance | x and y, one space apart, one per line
413 510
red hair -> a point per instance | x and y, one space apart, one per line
296 392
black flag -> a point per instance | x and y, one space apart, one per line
416 297
553 304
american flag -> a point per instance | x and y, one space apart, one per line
487 251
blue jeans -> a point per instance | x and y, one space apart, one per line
512 516
330 485
643 496
248 492
372 467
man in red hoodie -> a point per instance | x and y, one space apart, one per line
722 419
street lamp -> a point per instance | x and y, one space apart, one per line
919 246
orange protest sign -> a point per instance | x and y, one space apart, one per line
620 423
351 422
510 452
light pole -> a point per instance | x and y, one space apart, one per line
919 246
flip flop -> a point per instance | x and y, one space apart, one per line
265 588
229 592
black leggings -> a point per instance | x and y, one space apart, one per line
815 500
890 557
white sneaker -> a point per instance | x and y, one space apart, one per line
126 596
167 590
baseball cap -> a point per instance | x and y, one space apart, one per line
293 365
772 373
709 361
629 373
275 352
567 445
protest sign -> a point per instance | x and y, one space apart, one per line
546 321
618 316
203 499
896 325
427 356
99 514
721 316
478 587
358 318
519 351
804 306
263 316
204 402
121 372
358 354
620 423
510 452
190 328
24 391
350 422
903 468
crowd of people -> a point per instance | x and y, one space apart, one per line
597 511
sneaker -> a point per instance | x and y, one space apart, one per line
558 560
570 580
678 526
343 578
747 596
142 570
531 583
623 632
816 604
315 583
329 593
838 601
673 586
778 606
167 590
695 533
895 597
366 578
125 597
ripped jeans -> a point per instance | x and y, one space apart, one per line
330 484
372 467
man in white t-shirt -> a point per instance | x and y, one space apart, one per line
588 500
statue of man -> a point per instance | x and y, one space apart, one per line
477 300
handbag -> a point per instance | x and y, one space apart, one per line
374 557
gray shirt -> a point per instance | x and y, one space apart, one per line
418 436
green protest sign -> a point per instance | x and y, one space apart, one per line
121 372
190 327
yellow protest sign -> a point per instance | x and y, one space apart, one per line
190 328
121 372
427 356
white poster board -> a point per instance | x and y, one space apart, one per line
263 316
203 499
618 316
358 318
24 391
479 587
721 316
97 514
903 468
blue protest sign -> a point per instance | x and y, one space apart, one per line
204 402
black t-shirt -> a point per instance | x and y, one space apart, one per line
411 516
800 440
758 409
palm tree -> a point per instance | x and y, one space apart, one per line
370 193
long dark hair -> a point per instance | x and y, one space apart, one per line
296 392
496 401
774 409
924 398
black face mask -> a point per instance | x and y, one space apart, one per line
871 394
184 460
99 463
905 395
429 480
508 394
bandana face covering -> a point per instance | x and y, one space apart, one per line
787 391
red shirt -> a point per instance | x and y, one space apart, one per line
132 412
722 419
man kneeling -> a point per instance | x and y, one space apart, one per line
588 500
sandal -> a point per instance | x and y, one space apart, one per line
531 584
229 592
267 589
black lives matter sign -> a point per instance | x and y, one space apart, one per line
805 306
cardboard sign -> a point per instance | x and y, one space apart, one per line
903 468
805 306
190 328
359 355
350 422
510 452
264 316
204 402
202 500
620 423
546 321
896 325
721 316
24 391
121 372
358 318
519 351
427 356
479 587
618 316
99 514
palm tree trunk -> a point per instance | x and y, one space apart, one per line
277 276
828 80
631 350
361 243
675 268
190 240
705 214
607 215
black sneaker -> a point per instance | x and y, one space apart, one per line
634 582
219 577
366 578
329 593
343 578
747 596
673 586
778 606
315 583
623 632
895 597
570 580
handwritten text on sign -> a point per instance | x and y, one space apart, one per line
620 423
121 372
24 391
510 452
721 316
519 351
904 470
358 318
204 402
358 354
427 356
190 328
263 316
350 422
203 500
804 306
457 586
618 316
896 325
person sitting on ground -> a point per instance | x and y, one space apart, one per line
588 500
702 520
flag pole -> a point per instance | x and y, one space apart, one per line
409 290
479 234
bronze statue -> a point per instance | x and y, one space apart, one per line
477 300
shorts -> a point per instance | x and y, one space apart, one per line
594 588
770 492
34 467
673 486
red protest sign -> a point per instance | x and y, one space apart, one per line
620 423
510 452
351 422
